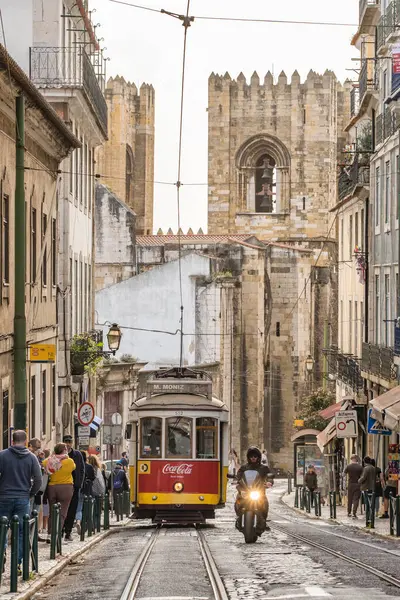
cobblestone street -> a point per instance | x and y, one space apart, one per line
277 566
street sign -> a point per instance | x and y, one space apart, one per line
112 434
298 423
84 441
116 419
42 353
376 428
346 424
84 431
85 413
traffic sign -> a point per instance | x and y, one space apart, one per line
346 424
116 419
42 353
86 413
84 431
84 441
375 427
112 434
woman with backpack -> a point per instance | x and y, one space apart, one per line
85 491
119 485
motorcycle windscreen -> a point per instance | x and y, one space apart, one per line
250 476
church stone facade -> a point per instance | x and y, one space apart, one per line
273 155
125 162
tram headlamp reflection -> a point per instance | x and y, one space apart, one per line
178 486
254 495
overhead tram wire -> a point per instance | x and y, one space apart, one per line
239 19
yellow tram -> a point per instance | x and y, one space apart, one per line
178 448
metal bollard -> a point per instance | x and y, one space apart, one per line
369 500
118 507
317 504
296 498
301 498
127 503
394 514
35 545
85 508
3 537
55 538
106 516
97 506
332 505
14 553
90 516
25 548
59 531
308 501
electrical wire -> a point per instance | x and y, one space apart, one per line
241 19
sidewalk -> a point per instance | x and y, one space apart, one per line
50 568
381 525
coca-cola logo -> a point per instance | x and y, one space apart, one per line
183 469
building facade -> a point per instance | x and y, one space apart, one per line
125 162
58 49
273 153
48 141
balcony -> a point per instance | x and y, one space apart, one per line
354 101
69 68
387 124
388 24
378 361
344 367
368 17
366 82
352 177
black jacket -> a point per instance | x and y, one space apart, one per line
78 474
263 470
90 476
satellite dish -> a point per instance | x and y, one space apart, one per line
66 414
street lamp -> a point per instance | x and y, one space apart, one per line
114 338
309 363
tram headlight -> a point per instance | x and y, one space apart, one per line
254 495
178 487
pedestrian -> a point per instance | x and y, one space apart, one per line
20 479
86 490
34 445
99 487
264 458
78 477
353 471
234 464
124 460
120 485
45 498
367 480
311 481
59 467
390 491
379 484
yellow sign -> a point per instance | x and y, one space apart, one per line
42 353
144 468
299 422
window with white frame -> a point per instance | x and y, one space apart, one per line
350 237
377 195
356 324
387 192
350 329
387 309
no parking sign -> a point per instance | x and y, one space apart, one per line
346 424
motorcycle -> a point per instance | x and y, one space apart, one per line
250 505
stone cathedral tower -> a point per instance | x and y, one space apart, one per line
272 173
126 161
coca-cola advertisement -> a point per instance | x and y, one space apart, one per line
198 477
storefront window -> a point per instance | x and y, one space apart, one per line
206 438
151 428
179 437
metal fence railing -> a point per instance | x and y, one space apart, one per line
394 515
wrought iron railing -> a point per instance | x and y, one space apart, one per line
388 23
379 129
397 340
68 67
381 32
352 176
354 101
378 360
364 4
344 367
366 79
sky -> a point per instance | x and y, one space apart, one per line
145 46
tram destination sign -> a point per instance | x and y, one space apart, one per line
171 386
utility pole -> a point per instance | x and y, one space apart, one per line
20 399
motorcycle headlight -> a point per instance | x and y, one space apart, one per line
254 495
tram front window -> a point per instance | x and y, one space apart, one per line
151 437
206 438
179 437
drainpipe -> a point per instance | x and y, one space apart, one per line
20 400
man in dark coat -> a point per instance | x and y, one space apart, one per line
79 477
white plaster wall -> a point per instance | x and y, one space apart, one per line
208 323
151 300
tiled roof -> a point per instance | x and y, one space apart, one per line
162 240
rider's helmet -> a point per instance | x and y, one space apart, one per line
254 451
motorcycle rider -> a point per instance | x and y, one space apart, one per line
253 463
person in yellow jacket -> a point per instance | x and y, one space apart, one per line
60 489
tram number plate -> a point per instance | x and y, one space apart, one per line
178 413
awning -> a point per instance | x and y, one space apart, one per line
386 408
328 413
327 435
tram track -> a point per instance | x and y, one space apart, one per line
382 575
137 573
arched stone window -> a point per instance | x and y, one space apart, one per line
263 169
129 175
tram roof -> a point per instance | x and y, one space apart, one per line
179 401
